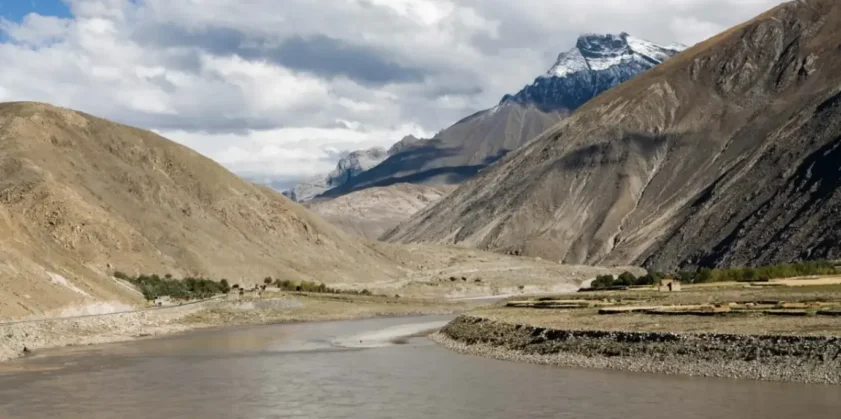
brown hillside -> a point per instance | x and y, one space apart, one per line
724 155
458 152
371 212
81 197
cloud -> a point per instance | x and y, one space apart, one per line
317 54
281 88
285 153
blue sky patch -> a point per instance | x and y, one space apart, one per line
16 9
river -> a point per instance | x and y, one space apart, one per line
378 368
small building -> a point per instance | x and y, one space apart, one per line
164 301
669 285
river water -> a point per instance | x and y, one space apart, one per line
381 368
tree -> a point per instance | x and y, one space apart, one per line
687 277
626 279
749 274
603 281
267 280
705 275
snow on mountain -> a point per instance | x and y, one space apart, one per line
347 167
596 64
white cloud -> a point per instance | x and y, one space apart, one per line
290 152
278 87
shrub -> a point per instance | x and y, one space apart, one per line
153 287
626 279
705 275
285 285
267 280
603 281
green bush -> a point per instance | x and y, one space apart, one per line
603 281
763 273
153 287
627 279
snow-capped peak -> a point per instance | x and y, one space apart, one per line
596 64
600 52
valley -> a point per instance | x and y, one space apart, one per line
640 208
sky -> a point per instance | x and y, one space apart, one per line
278 90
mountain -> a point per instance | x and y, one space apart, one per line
346 169
725 155
403 144
81 197
371 212
596 64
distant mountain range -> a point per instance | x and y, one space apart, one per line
726 155
596 64
346 169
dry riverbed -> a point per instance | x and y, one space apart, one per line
278 308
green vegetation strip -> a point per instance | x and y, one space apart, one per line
154 287
755 276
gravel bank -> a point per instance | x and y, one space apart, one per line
54 333
806 359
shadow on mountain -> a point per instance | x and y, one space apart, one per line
424 163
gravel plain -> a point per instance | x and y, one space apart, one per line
803 359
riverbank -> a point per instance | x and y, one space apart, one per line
789 358
20 339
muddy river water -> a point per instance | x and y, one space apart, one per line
380 368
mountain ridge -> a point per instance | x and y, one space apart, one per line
478 140
596 64
82 197
346 169
697 162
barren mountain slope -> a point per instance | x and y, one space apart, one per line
594 65
81 197
346 169
459 152
371 212
726 154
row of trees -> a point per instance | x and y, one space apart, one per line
764 273
704 275
307 286
153 286
627 279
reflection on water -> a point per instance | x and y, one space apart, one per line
306 370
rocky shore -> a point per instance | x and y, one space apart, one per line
16 339
804 359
